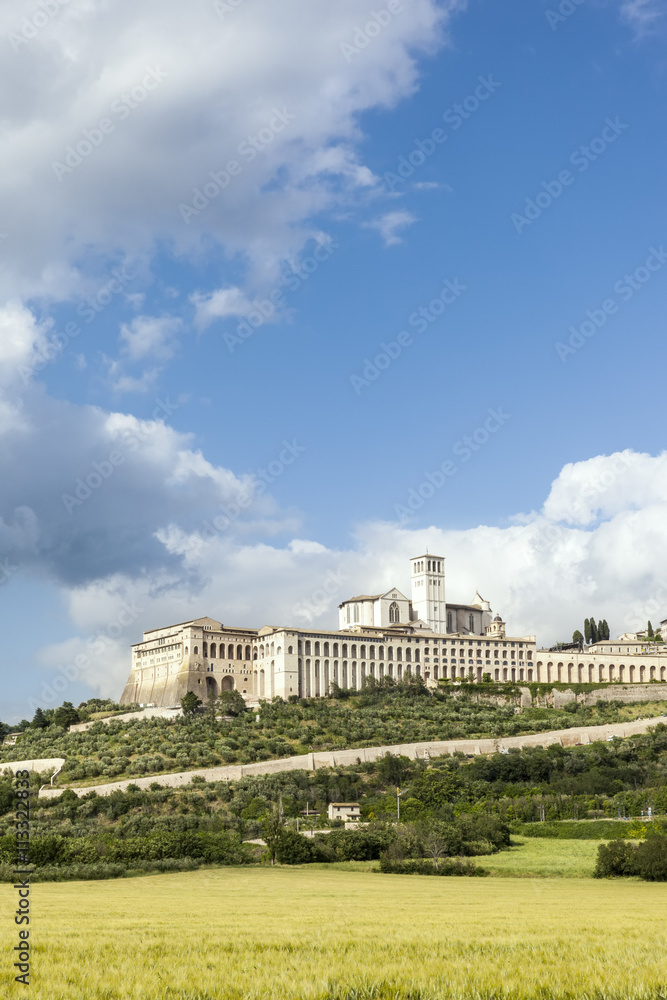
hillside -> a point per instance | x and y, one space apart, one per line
465 805
387 714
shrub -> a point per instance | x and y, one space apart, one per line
420 866
651 859
293 849
616 858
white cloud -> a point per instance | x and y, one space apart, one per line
642 14
390 224
272 77
150 336
21 339
220 304
125 384
544 574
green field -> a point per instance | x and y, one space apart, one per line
544 858
335 934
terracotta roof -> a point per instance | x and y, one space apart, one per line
362 597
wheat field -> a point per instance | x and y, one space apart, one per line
334 934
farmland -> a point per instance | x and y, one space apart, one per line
314 933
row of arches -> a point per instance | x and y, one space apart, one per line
427 565
354 652
316 676
600 672
267 650
212 651
214 688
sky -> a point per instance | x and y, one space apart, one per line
292 292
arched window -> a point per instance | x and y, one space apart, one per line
230 652
205 649
326 648
417 657
449 621
399 653
471 623
394 613
348 614
371 652
390 652
290 650
196 650
356 612
239 652
317 649
213 648
408 654
353 654
273 650
335 652
381 654
247 653
308 647
362 652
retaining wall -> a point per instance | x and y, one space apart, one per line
339 758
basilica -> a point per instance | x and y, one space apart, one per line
379 635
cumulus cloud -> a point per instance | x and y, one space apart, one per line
21 338
390 224
113 126
150 336
220 304
544 573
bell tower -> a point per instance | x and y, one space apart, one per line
428 591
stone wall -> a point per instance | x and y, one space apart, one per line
39 766
143 713
342 758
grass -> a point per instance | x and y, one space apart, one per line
544 859
525 859
336 934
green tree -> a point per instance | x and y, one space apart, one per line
587 630
232 703
577 636
293 849
652 859
606 629
272 830
393 769
594 631
39 720
66 715
190 704
649 631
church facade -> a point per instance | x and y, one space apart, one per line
379 635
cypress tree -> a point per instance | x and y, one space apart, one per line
577 636
649 631
594 631
39 720
601 634
606 628
587 630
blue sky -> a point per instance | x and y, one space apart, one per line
161 380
